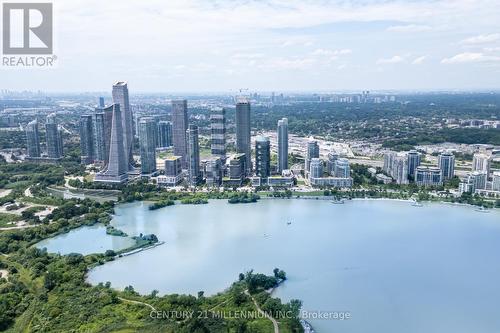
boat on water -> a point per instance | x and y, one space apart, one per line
415 203
337 201
482 210
306 326
288 223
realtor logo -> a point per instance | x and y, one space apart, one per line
27 28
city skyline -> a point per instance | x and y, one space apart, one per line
159 160
313 46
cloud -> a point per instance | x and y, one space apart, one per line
284 32
298 41
288 63
492 49
409 28
470 57
419 60
248 56
481 39
323 52
393 60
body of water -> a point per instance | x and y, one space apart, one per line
393 267
86 240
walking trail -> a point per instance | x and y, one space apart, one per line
275 323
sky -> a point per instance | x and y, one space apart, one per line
269 45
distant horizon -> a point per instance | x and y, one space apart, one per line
265 92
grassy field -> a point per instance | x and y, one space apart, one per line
6 218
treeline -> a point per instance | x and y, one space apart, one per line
458 135
243 197
323 118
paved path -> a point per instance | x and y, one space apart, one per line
137 302
24 226
275 323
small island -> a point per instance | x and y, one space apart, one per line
194 201
110 230
161 204
243 197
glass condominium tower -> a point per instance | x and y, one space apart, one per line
193 155
147 144
179 128
218 133
120 96
282 144
243 140
33 139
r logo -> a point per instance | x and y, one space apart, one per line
27 28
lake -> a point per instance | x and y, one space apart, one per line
392 266
86 240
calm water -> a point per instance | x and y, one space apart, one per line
394 267
86 240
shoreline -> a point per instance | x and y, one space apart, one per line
381 199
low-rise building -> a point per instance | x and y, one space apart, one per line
214 172
383 178
331 182
280 181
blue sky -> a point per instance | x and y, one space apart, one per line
273 45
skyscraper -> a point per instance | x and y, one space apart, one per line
400 169
53 137
332 159
116 168
193 155
282 144
86 139
312 152
342 168
218 132
481 163
388 162
120 96
179 127
413 162
243 144
262 157
446 162
33 139
316 168
164 134
101 102
147 144
102 119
